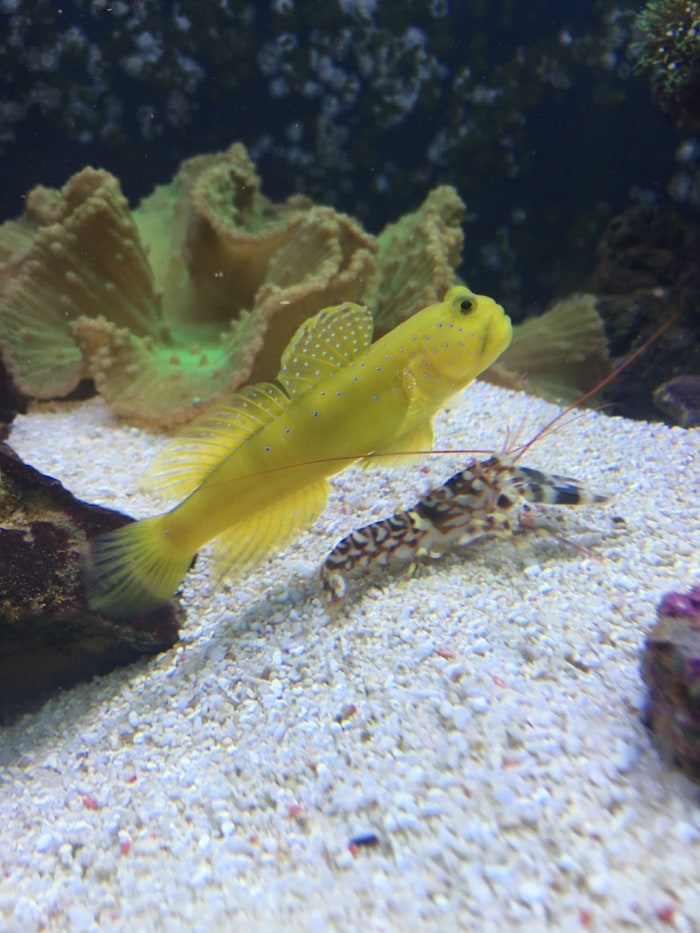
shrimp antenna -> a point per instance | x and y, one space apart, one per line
623 364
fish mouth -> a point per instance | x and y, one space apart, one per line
497 336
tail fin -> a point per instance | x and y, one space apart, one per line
133 569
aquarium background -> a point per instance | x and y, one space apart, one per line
532 111
466 741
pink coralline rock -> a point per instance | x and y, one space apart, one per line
671 670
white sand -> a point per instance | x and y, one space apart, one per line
496 749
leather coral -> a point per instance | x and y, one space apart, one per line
198 290
176 303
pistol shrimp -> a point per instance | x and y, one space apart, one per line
479 501
490 497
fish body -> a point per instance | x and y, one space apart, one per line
477 502
254 474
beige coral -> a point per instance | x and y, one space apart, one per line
200 288
161 306
417 258
559 355
80 255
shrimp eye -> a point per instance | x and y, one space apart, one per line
466 305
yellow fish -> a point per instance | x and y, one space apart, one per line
255 474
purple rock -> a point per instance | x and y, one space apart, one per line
670 668
682 604
680 398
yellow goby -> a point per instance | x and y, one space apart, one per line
254 474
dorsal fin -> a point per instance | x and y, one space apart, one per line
324 344
189 458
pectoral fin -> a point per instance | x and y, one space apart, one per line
404 449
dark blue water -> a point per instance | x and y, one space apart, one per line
531 110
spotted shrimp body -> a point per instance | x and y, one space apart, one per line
481 500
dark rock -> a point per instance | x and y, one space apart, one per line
668 46
648 272
11 399
49 637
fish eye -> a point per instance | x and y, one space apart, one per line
466 305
